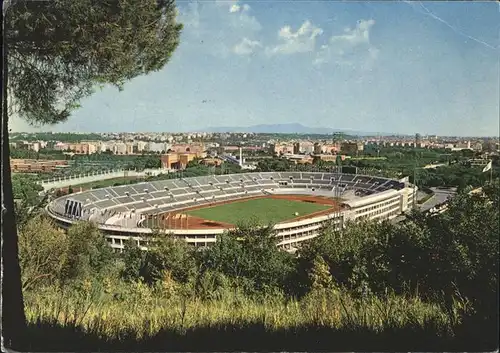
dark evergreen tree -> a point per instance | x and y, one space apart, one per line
56 53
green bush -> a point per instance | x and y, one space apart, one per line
26 189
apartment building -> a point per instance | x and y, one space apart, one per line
61 146
305 147
352 147
212 161
491 146
102 147
477 146
82 148
119 148
331 148
36 166
141 146
30 146
161 147
463 145
318 148
177 160
195 147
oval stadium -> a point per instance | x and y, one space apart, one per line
198 209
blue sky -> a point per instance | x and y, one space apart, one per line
400 67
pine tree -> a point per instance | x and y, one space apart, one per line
56 53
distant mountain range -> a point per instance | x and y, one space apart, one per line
292 128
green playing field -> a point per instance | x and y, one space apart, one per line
264 210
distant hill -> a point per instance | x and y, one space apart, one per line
292 128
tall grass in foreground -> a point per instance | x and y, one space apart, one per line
145 311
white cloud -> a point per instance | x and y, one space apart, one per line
301 41
234 8
356 36
222 28
246 47
352 45
243 20
216 27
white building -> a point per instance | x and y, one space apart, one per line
141 146
158 147
120 148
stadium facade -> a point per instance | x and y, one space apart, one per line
120 211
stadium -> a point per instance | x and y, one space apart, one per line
198 209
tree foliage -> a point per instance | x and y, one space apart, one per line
43 252
274 164
49 255
133 258
26 189
59 50
442 257
55 136
320 275
173 255
89 254
249 256
164 254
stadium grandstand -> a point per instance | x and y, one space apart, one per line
134 211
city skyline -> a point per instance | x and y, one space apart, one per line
320 64
43 130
